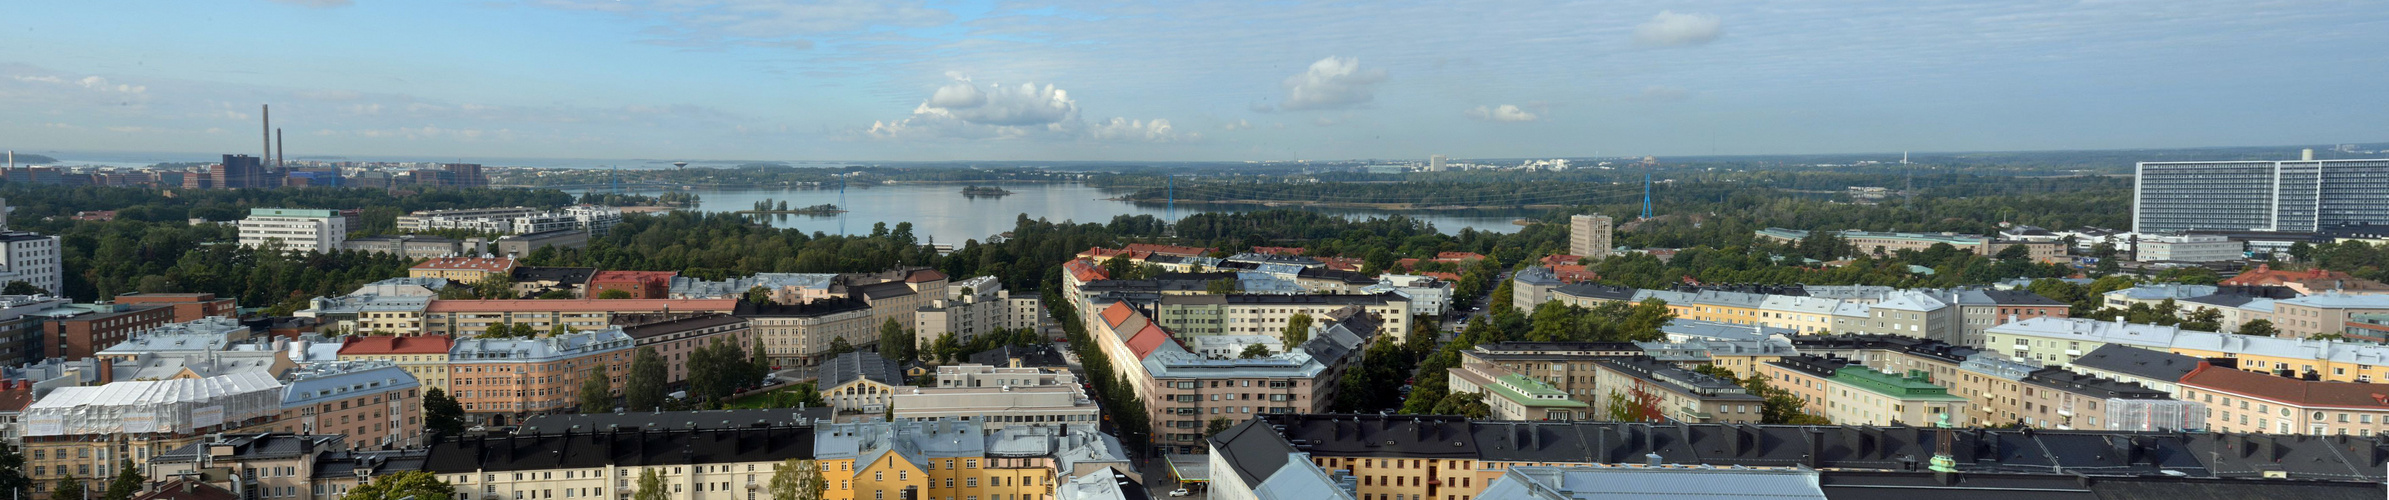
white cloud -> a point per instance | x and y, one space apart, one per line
318 3
1236 125
1502 113
964 110
1332 83
1669 29
101 84
38 79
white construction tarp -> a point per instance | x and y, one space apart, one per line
172 406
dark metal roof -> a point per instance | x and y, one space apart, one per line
818 307
680 420
619 448
666 327
2134 361
860 364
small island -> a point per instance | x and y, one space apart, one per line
978 191
768 206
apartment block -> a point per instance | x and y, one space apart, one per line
466 270
465 318
297 230
2283 196
675 339
425 357
496 379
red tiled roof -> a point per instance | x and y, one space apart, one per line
1459 256
385 344
2303 393
1147 339
1118 312
924 276
1451 277
2265 275
1108 253
1561 260
582 305
1278 250
1342 263
495 264
1573 273
1084 270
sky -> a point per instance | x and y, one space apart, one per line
898 80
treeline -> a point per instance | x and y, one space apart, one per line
724 245
48 208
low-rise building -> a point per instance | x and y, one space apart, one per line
2190 248
1249 314
467 270
370 313
294 229
996 407
1511 396
1663 392
697 463
425 356
860 382
1850 394
2059 399
517 245
80 330
973 307
532 281
471 317
2154 369
674 340
375 404
632 284
802 334
414 246
187 306
497 378
2249 402
268 465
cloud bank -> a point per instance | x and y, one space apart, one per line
964 110
1669 29
1332 83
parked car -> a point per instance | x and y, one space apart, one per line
1180 492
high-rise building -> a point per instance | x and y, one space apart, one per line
1435 163
299 230
243 171
465 175
31 258
1588 236
2290 196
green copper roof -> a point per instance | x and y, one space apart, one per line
1531 392
1913 386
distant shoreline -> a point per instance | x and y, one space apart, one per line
1344 204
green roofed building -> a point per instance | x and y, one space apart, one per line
1863 396
1515 397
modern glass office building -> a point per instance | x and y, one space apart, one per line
2287 196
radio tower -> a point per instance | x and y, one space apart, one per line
1646 194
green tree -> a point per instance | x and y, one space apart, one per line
1254 351
1216 425
418 485
560 330
127 483
557 295
442 415
896 341
643 388
2204 319
524 331
839 346
798 480
650 486
614 293
1298 329
1222 286
1466 404
597 391
759 365
2258 327
758 295
22 287
498 331
12 470
946 348
69 488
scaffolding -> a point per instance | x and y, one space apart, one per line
178 406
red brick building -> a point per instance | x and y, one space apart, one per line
639 284
187 306
81 333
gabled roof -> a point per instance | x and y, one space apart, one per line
1118 312
2305 393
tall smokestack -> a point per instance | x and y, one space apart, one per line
266 112
278 145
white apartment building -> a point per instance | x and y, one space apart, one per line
973 307
31 258
2190 248
298 230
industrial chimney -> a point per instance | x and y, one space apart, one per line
266 112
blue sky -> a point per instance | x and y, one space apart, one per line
913 80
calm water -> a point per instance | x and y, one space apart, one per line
940 211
